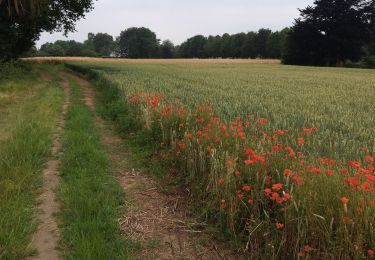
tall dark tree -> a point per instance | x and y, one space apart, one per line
22 21
212 48
103 44
238 41
167 49
330 32
248 48
261 42
138 43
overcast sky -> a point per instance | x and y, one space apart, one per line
178 20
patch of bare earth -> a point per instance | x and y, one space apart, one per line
46 238
153 218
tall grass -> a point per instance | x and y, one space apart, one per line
90 197
261 185
22 154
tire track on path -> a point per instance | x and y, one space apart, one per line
47 236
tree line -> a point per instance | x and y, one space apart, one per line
143 43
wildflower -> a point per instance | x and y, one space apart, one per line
236 173
286 197
307 131
250 201
246 188
221 181
189 136
240 196
370 252
307 248
314 129
279 225
229 163
267 191
369 159
354 164
329 172
241 135
353 181
344 200
181 145
300 141
288 172
277 186
249 162
222 204
370 178
249 151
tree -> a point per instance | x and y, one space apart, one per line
212 48
138 43
22 21
50 49
167 50
248 48
238 41
103 44
330 32
261 42
226 46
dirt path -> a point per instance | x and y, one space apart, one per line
152 218
47 236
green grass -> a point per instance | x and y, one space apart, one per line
338 101
90 197
25 139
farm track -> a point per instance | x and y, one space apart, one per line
47 236
151 217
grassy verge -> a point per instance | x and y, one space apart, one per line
90 197
23 151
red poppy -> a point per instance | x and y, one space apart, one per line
277 186
307 248
181 145
288 172
353 181
329 172
279 225
189 136
221 181
300 141
249 151
250 201
344 200
354 164
236 173
246 188
369 159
